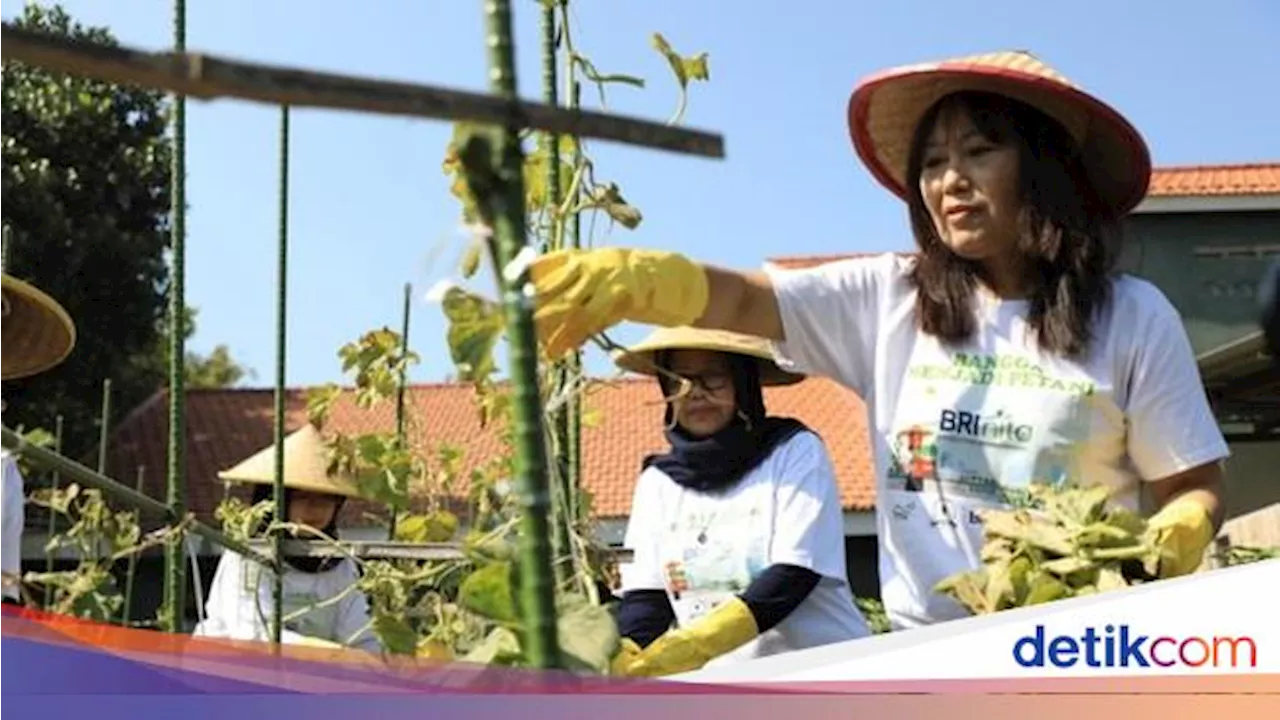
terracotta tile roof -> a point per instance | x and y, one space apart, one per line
1206 180
1169 181
226 426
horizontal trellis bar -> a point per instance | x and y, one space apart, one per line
206 77
389 550
72 470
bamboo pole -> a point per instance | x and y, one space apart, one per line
76 472
207 77
281 511
175 566
504 198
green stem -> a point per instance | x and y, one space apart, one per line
175 575
281 512
536 587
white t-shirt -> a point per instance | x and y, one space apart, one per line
14 501
945 425
241 598
703 549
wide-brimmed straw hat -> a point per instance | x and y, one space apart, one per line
306 464
885 109
642 357
37 332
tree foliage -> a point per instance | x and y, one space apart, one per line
86 206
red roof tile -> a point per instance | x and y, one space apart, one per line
1172 181
226 426
1206 180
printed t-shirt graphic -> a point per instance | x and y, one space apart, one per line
712 551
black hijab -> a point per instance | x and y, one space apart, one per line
716 462
303 563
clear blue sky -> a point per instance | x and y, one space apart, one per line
369 208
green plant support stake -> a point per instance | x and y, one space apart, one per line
132 568
506 201
175 566
560 420
53 516
104 429
402 384
281 515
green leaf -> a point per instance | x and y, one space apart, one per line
500 647
396 635
471 259
475 326
588 634
1044 588
694 67
610 199
436 527
489 592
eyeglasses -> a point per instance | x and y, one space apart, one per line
711 382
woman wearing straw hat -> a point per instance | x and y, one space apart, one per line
37 335
736 529
241 598
1008 345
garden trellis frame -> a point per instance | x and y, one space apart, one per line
209 77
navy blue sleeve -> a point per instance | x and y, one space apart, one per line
644 615
777 592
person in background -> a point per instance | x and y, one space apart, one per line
1006 351
736 530
241 597
37 336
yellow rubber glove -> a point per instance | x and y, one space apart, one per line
1182 529
583 292
315 642
627 652
727 627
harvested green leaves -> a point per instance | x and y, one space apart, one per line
1071 544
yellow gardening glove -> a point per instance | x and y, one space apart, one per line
583 292
1182 530
726 628
627 652
310 641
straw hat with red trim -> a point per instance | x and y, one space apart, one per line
37 332
642 357
306 466
885 109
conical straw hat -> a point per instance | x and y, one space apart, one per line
641 357
37 332
305 466
885 109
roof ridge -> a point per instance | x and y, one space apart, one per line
1253 165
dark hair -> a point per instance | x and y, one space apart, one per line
1068 236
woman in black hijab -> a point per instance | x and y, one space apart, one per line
736 529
